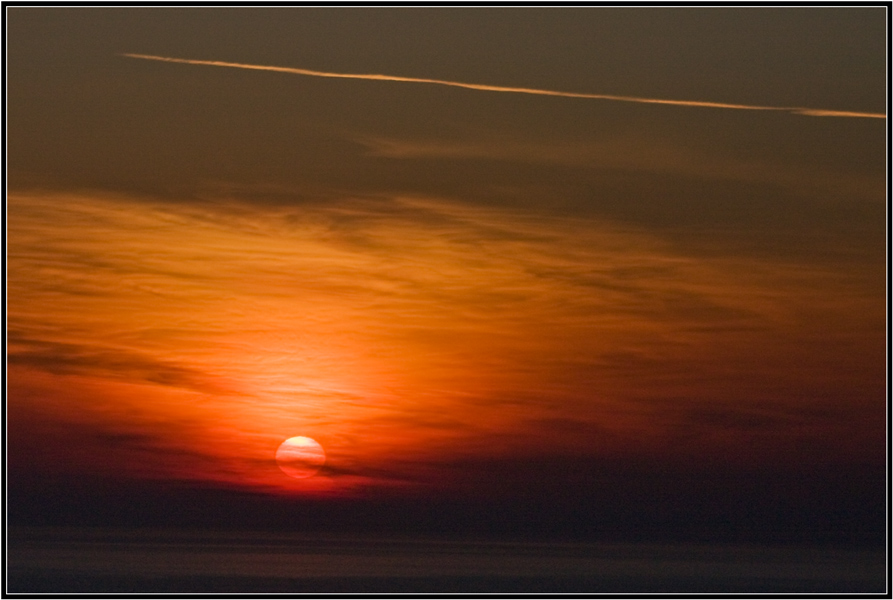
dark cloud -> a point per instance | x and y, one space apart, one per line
63 358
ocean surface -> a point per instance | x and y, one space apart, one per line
60 560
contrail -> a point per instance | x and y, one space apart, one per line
812 112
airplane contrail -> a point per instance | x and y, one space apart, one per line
812 112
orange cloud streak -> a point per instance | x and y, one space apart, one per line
516 90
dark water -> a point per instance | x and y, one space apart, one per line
55 560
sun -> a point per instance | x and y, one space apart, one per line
300 457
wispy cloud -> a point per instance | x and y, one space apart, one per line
107 362
813 112
630 153
401 330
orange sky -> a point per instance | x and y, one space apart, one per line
406 333
452 290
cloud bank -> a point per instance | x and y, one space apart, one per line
403 332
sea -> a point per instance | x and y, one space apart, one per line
95 561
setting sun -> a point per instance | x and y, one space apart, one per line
300 457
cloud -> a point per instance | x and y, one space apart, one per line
398 330
61 358
515 90
629 153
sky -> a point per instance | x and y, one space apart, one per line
580 269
